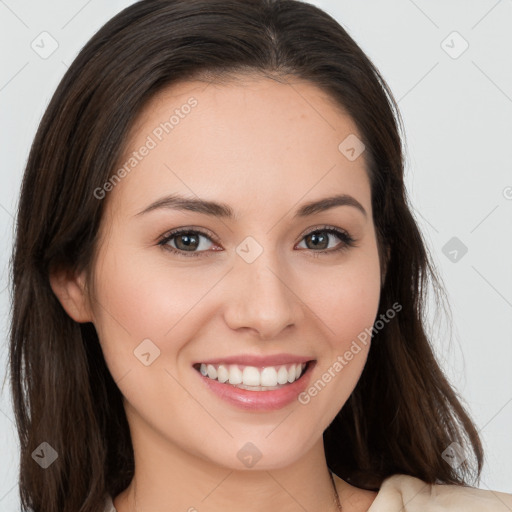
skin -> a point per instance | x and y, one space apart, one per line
264 148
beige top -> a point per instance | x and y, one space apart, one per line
403 493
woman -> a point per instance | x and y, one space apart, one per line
218 284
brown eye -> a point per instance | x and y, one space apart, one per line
319 240
189 241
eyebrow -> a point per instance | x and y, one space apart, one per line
222 210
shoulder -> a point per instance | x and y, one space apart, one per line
411 494
109 504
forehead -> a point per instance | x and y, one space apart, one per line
246 139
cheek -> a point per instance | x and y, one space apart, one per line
140 299
346 297
347 304
346 300
143 295
356 302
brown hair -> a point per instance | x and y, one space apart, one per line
403 412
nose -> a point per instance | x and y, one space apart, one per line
260 297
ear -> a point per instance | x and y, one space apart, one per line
71 292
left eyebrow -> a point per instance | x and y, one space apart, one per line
177 202
328 203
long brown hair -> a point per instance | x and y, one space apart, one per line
403 413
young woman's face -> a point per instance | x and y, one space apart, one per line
245 291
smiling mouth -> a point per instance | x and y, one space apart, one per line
253 378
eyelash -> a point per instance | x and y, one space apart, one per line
346 241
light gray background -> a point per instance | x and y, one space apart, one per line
457 109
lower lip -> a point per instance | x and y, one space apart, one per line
260 400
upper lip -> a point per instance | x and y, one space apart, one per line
258 360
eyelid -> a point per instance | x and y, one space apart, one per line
323 227
189 229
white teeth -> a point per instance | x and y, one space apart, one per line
282 375
269 376
222 373
250 377
212 372
235 375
